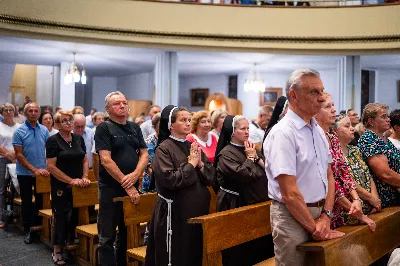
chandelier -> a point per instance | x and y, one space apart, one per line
73 74
254 82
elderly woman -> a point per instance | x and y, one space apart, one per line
46 119
346 196
7 155
98 118
382 157
64 150
242 179
365 185
217 119
395 124
182 173
201 126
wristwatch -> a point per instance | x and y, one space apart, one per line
328 213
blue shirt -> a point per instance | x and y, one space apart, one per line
33 141
88 137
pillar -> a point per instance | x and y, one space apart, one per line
166 80
349 76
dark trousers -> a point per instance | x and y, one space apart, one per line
29 209
110 216
65 217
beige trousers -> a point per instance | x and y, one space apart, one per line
287 233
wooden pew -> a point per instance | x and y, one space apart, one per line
233 227
87 233
91 176
360 246
134 216
95 166
43 188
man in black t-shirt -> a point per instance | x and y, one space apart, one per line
123 156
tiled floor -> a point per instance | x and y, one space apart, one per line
13 251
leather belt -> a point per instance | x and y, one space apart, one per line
320 203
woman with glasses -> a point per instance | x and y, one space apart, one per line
68 166
381 156
7 155
46 119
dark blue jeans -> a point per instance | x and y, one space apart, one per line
110 216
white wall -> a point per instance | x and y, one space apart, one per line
101 86
6 74
137 87
331 83
386 88
44 85
67 92
216 83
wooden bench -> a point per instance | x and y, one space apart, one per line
95 165
91 176
233 227
134 217
360 246
43 188
87 233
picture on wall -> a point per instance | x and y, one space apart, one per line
198 96
270 96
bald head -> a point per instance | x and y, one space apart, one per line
79 124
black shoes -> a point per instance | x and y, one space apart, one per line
28 238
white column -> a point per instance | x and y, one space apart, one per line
166 80
349 76
67 92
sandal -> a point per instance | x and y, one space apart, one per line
56 261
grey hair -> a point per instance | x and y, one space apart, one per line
215 115
79 117
294 79
95 115
7 105
108 97
31 103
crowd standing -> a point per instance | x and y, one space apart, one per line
321 170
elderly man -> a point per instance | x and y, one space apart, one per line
258 126
123 156
86 133
29 142
297 164
146 127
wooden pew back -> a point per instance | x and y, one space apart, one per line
43 187
360 246
91 176
233 227
82 198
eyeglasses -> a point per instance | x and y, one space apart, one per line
8 110
76 126
66 121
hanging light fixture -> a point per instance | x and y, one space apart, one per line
254 82
73 74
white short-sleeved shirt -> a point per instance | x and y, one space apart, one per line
147 129
256 134
6 133
295 148
395 142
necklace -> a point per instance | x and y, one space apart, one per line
68 142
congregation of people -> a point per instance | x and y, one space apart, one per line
322 169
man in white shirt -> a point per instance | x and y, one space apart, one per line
146 127
258 126
89 118
87 134
300 179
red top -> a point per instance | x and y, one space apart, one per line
208 148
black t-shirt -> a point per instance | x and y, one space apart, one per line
69 159
124 142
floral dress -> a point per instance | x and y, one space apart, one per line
151 143
360 173
370 144
344 182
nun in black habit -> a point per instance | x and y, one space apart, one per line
182 173
242 179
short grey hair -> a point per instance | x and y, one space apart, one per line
95 115
215 115
7 105
79 117
108 97
29 104
294 79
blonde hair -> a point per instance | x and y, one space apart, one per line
76 108
215 115
57 116
196 119
371 110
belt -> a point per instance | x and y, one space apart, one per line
169 226
320 203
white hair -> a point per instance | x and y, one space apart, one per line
108 97
294 79
31 103
79 117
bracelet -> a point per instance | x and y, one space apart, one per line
359 199
257 160
251 158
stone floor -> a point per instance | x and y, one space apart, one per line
13 251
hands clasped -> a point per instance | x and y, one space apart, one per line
194 157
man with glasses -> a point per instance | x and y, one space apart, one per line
354 119
86 133
29 145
